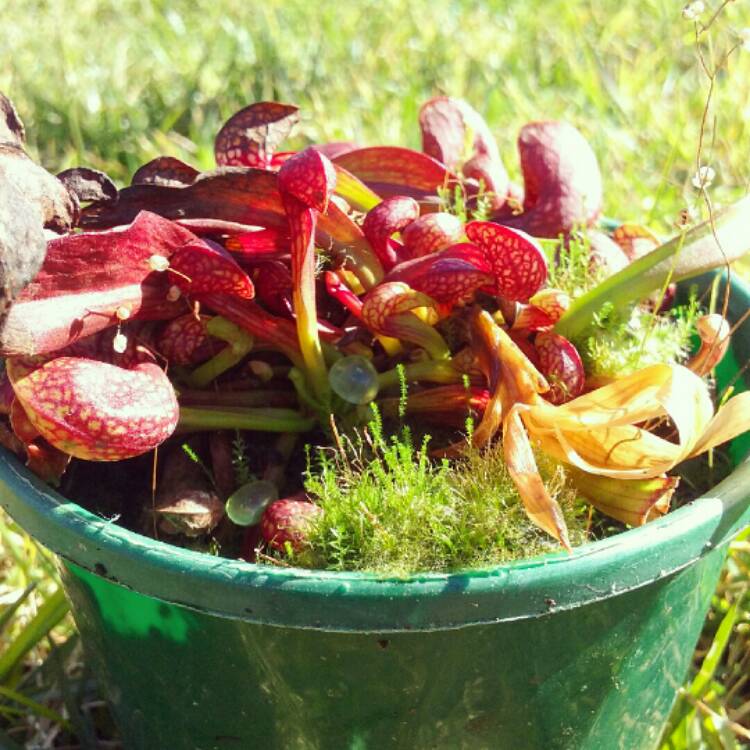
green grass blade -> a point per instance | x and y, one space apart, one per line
36 708
683 713
702 680
50 613
703 248
11 609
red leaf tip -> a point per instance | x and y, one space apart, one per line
310 177
517 260
561 364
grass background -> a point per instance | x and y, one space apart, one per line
113 83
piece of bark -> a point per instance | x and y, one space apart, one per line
12 130
58 207
22 243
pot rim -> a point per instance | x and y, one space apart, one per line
354 601
365 602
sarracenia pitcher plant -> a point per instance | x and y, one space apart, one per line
283 291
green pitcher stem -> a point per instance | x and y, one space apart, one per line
252 397
267 420
302 222
240 343
408 327
440 371
306 397
364 264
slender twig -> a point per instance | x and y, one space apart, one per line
738 729
705 27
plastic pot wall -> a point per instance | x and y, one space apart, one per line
581 651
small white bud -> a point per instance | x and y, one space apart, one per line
122 312
693 10
745 38
158 263
120 342
704 177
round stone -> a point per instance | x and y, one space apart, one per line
245 505
354 379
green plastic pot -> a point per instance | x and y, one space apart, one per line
581 651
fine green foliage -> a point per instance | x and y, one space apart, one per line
620 340
570 266
391 510
453 201
195 458
240 464
616 344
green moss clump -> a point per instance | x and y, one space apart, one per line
391 510
570 266
453 200
617 345
618 342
